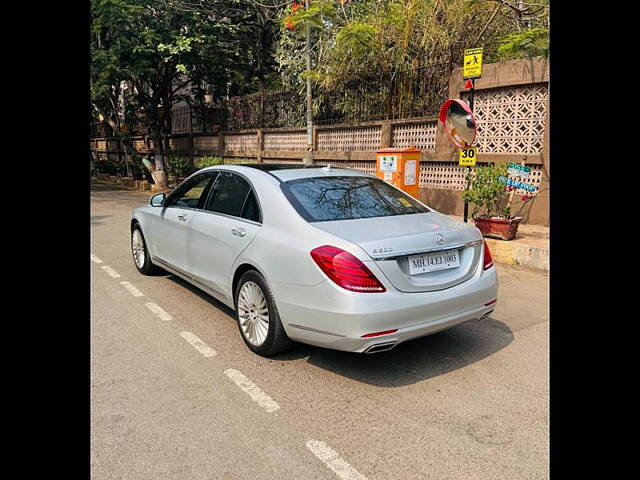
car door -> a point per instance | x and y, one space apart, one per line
172 229
228 223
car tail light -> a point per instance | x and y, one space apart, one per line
346 270
488 260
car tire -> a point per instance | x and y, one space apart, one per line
263 340
140 252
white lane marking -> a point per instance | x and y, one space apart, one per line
112 273
250 388
198 344
334 461
131 289
160 313
95 259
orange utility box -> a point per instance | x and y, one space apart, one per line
399 166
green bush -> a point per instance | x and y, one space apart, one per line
486 192
111 167
136 167
179 166
209 161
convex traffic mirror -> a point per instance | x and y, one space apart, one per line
459 123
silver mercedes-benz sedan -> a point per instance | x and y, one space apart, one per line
326 256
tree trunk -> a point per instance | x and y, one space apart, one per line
159 175
123 145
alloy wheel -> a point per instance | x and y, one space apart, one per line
253 313
137 246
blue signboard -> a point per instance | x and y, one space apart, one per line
510 182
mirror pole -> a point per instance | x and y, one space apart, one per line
466 204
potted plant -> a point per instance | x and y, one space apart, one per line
493 202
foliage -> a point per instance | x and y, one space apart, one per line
210 161
387 43
316 16
527 44
111 167
136 168
149 54
489 196
179 166
486 192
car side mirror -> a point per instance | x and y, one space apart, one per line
158 199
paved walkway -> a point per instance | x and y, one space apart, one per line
530 248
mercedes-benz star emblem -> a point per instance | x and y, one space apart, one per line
440 238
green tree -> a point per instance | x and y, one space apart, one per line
159 51
389 41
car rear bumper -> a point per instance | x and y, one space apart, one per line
329 316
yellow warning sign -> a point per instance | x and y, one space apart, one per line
467 157
472 64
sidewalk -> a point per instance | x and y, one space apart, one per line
529 249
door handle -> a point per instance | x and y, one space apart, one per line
182 217
239 232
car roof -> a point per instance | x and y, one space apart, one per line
291 171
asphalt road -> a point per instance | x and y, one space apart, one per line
175 393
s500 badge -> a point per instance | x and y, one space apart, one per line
377 251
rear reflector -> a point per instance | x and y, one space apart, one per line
345 270
491 302
377 334
488 260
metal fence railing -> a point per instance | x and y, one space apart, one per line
416 92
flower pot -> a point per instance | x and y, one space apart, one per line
495 227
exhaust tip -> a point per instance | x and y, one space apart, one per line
381 347
485 315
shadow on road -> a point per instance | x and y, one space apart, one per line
415 360
409 362
98 185
205 296
96 219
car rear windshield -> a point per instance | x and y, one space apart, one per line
320 199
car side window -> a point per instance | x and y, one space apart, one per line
192 192
251 210
229 196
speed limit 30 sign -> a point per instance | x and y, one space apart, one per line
467 156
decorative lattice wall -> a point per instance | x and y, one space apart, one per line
443 175
285 141
368 166
451 176
420 135
510 119
205 144
241 142
364 138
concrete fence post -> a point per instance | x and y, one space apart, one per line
190 140
260 146
386 134
220 143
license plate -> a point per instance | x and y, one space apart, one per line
432 262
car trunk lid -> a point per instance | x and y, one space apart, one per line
390 241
